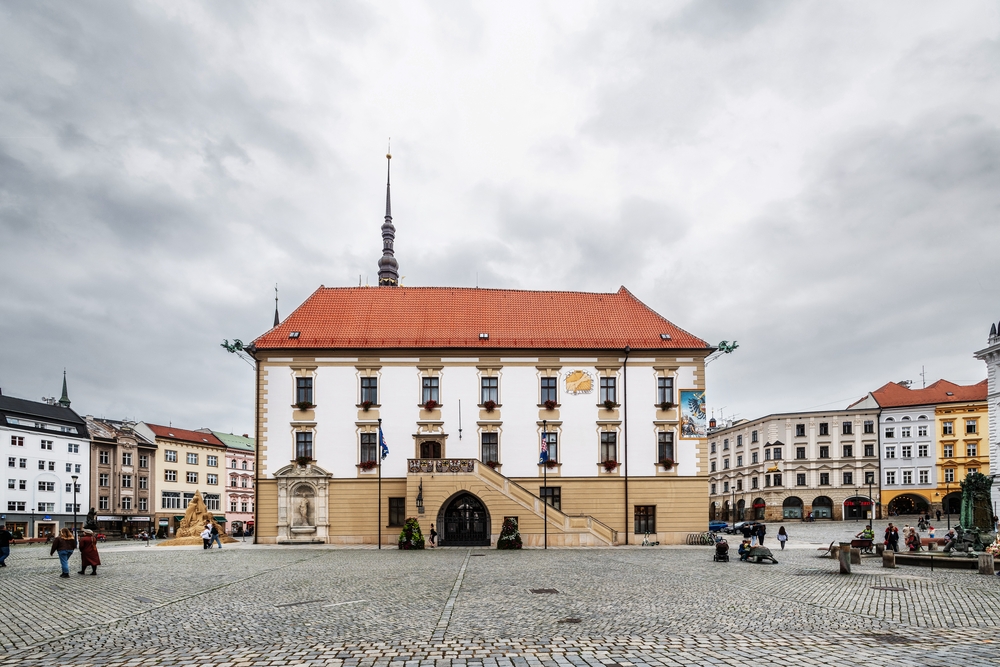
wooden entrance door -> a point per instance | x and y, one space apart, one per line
430 450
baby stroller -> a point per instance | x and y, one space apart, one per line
721 552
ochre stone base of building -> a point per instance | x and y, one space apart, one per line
592 510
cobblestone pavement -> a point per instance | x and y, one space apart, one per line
248 605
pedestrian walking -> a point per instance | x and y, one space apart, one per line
747 530
782 537
761 532
892 537
938 516
216 537
5 539
64 545
206 537
88 552
434 535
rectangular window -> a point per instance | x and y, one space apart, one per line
907 477
369 447
192 478
46 486
489 390
869 478
553 439
232 505
890 432
17 441
551 495
846 428
712 467
12 461
848 451
41 465
800 479
52 465
71 508
11 483
104 457
906 451
712 448
73 448
869 450
869 426
948 428
143 460
739 461
824 479
244 506
904 431
739 485
890 452
169 455
22 484
304 390
713 490
47 445
971 449
921 450
15 506
76 468
143 504
192 459
102 503
800 430
69 467
824 428
548 390
753 482
213 502
753 436
22 463
970 426
430 390
126 459
645 519
104 479
767 454
664 390
970 471
397 511
126 502
777 479
609 446
776 453
949 451
725 485
304 445
212 461
848 478
369 391
46 507
143 482
665 446
169 475
186 499
211 479
725 464
725 443
921 431
890 477
126 481
924 476
609 390
824 452
490 447
739 441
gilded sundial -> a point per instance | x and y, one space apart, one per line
579 382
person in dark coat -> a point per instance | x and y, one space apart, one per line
5 539
64 545
892 537
88 552
761 532
747 530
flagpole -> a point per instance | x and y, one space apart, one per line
545 483
379 455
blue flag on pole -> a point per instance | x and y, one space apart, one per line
381 442
543 457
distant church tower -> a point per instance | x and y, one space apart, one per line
64 400
388 268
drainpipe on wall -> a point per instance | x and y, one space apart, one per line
625 419
256 444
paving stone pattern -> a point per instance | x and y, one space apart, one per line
246 606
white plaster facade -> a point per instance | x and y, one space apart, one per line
909 452
991 355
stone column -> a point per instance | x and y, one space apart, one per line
879 549
855 556
845 557
986 564
889 558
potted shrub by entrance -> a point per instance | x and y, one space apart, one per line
410 537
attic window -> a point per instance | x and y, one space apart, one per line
948 393
664 336
294 334
484 336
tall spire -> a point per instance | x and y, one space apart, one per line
388 268
276 318
64 401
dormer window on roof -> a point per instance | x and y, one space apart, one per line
664 336
293 334
484 336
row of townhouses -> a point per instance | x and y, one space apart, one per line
896 451
134 476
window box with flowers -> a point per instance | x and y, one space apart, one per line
609 465
665 405
366 405
610 405
550 405
551 463
305 405
368 465
490 406
430 405
495 465
667 463
304 461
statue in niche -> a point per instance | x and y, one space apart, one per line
303 507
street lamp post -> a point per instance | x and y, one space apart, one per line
75 477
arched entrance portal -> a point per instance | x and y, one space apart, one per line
822 508
857 507
908 503
741 510
952 503
464 522
712 509
791 508
759 507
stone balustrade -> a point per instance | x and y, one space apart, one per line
441 465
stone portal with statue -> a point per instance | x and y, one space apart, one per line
195 518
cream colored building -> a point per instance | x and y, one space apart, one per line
186 461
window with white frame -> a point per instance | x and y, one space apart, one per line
921 431
949 474
169 455
126 502
143 504
489 389
103 503
126 459
665 446
907 477
609 389
192 478
890 452
609 446
212 461
971 449
170 500
921 450
47 445
192 459
210 479
890 477
924 476
73 448
212 502
17 441
489 447
906 451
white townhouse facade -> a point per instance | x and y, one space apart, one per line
908 458
991 355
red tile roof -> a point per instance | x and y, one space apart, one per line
197 437
894 395
454 317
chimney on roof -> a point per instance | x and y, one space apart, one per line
905 383
388 268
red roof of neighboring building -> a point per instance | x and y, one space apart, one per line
427 317
895 395
197 437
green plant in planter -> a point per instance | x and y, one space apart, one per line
410 537
305 405
303 460
667 463
510 536
610 405
666 405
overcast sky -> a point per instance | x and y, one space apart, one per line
819 181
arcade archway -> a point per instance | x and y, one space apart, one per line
464 522
908 503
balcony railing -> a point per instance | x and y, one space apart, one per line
441 465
